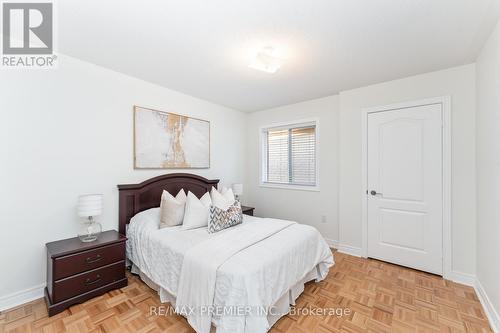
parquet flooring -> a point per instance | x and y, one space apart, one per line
381 297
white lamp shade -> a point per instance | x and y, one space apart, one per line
89 205
237 189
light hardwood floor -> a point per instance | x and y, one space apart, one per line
381 297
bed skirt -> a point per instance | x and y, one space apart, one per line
280 308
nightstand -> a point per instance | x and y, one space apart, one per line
79 271
247 210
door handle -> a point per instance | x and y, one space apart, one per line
372 192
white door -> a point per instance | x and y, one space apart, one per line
405 191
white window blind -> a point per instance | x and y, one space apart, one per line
290 155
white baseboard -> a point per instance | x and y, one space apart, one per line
343 248
488 307
21 297
351 250
332 243
462 278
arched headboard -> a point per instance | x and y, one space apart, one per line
134 198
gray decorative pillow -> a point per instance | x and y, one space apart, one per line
220 219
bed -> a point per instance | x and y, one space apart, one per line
242 279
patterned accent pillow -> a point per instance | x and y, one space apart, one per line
220 219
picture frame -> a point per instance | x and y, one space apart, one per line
166 140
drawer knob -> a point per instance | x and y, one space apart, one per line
89 282
91 260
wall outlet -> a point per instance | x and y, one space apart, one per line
323 218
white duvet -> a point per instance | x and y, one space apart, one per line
254 274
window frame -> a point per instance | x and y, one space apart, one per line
263 154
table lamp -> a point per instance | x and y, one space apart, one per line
89 206
237 190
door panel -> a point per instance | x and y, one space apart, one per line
402 228
400 157
405 170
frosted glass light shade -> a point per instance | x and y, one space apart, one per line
266 61
237 189
89 205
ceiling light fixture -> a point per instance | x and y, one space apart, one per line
266 61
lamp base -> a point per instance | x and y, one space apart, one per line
90 231
87 238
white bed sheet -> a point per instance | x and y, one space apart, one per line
159 253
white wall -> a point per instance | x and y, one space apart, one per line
68 131
488 169
298 205
459 83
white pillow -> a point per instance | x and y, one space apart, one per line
172 209
229 195
226 193
222 201
180 196
196 212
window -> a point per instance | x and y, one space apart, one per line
289 155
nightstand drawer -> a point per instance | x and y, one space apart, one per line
84 282
87 260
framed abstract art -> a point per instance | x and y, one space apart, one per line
164 140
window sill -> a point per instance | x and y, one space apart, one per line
291 187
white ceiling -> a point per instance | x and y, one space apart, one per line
202 47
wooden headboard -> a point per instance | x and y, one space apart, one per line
135 198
